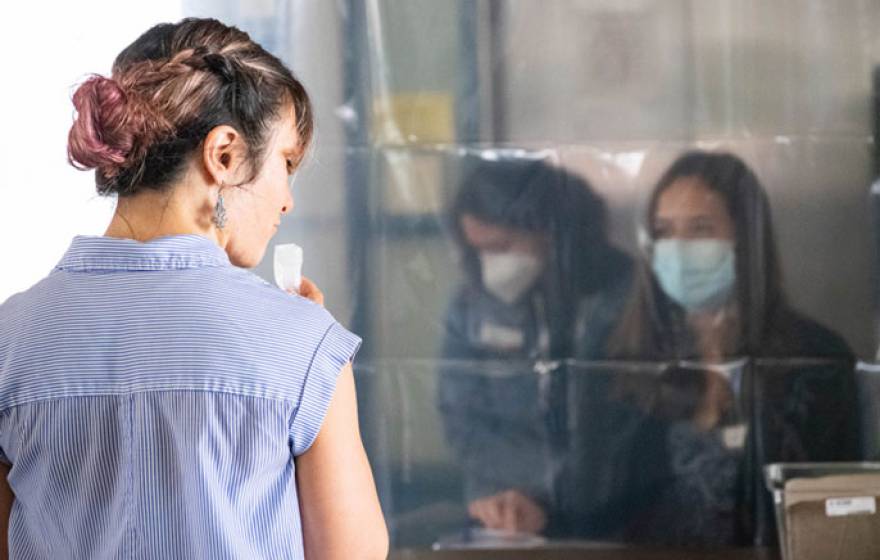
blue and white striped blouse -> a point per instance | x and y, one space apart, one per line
152 397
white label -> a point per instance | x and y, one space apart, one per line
501 337
735 436
837 507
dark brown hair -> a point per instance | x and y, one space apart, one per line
168 89
534 196
648 327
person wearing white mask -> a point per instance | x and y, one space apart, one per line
714 295
541 282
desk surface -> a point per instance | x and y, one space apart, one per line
572 553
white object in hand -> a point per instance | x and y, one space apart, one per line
288 266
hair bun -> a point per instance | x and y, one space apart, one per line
104 132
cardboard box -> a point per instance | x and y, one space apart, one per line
832 518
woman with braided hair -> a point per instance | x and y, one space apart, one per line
158 400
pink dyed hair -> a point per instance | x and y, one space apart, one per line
168 89
107 127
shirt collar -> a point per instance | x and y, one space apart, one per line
162 253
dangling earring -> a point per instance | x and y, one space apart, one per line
219 217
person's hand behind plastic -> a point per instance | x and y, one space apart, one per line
510 510
717 401
309 290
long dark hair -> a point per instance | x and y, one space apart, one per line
759 292
534 196
759 279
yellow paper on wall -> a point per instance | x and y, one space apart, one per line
414 117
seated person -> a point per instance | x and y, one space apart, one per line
716 295
541 282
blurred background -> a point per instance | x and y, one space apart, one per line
417 102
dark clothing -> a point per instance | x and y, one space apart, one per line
502 403
788 403
602 447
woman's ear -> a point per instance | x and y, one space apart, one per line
222 155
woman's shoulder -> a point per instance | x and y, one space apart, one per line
30 304
253 315
272 304
792 333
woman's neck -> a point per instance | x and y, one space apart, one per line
716 332
153 213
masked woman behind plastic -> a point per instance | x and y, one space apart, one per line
541 281
716 296
159 400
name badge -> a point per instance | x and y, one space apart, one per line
501 337
734 437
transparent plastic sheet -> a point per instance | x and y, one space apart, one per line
556 122
868 379
609 452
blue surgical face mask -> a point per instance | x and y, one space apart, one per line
697 274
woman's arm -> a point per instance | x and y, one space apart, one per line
340 509
6 499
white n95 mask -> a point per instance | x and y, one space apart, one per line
508 276
697 274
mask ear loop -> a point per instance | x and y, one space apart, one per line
649 284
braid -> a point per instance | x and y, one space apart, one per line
176 83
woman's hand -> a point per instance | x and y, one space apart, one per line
717 400
510 511
309 290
